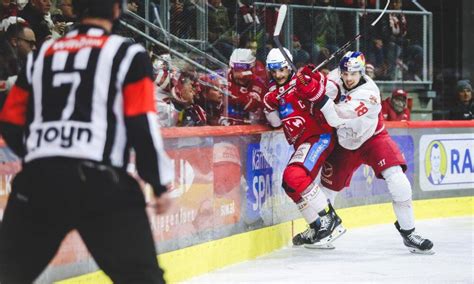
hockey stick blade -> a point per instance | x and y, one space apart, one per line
280 20
276 38
381 14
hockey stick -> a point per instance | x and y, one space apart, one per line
342 48
276 38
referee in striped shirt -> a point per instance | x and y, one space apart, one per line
78 107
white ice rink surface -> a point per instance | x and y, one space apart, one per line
373 254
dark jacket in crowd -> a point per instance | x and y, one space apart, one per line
36 22
462 112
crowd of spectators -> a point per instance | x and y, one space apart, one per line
393 48
186 97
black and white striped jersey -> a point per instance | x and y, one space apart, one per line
88 95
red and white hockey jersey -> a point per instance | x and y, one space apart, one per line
245 99
360 108
299 118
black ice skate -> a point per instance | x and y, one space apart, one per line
414 242
309 235
330 229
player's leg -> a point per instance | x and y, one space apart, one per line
116 230
336 174
330 194
30 235
299 183
337 171
401 192
384 156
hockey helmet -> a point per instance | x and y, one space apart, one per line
242 59
399 93
352 61
276 60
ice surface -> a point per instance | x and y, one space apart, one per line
371 254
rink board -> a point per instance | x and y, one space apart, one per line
228 194
196 260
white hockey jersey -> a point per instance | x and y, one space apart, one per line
359 107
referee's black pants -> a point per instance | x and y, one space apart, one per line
50 197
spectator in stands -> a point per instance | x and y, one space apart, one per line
329 32
22 4
395 108
21 41
464 108
401 53
301 56
17 42
64 17
376 55
181 13
243 15
260 70
35 13
8 9
370 71
66 14
304 25
133 6
220 33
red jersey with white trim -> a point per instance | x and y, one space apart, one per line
389 114
299 118
360 105
245 99
88 95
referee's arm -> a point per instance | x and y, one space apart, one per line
143 133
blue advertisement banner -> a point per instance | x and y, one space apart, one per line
259 183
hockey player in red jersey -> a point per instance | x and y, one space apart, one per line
363 139
212 97
395 107
246 89
313 140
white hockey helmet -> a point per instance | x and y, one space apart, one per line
276 60
242 59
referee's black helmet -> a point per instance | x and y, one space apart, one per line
96 8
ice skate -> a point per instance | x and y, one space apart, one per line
305 236
414 242
330 229
308 235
